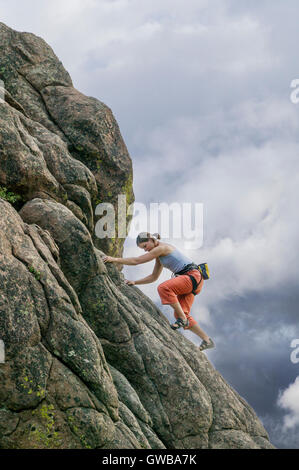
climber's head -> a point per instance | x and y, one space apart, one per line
146 241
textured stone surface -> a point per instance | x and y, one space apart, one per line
90 361
58 142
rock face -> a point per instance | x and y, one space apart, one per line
90 362
56 142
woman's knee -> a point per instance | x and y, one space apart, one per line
162 288
166 294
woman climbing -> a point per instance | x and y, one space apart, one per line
177 291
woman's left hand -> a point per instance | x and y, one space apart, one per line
108 259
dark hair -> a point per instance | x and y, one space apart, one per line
145 236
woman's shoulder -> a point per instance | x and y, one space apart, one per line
167 249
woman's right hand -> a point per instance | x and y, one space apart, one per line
130 283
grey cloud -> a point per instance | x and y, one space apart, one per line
201 93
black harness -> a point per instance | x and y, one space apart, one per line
188 268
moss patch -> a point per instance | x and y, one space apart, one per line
34 271
9 195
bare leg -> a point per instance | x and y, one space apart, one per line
178 310
195 328
199 332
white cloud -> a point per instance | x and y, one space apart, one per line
289 400
192 88
243 165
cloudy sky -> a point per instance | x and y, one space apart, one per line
202 94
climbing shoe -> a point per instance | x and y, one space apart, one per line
206 345
180 324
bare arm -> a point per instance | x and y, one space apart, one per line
158 268
152 277
146 280
154 253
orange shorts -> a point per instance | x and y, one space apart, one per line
179 289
